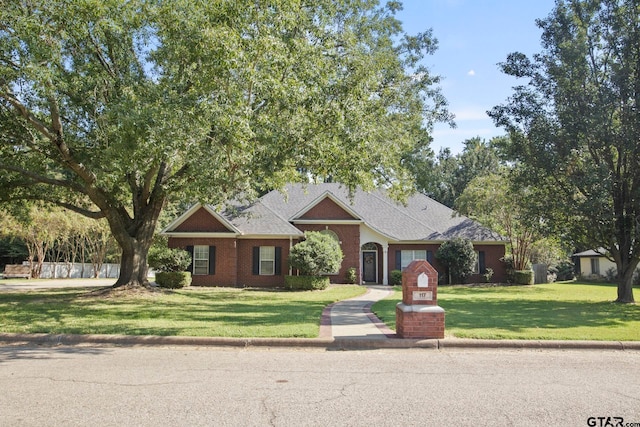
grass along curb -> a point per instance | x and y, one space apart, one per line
558 311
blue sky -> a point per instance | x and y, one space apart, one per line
474 36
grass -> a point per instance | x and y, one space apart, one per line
558 311
220 312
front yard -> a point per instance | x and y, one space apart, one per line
215 312
565 311
558 311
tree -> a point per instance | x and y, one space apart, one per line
115 108
38 228
459 257
316 255
479 158
446 177
492 201
575 127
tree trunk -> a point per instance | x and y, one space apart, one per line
625 284
134 235
133 264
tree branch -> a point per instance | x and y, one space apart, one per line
81 211
43 179
24 112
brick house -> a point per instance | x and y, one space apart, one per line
248 245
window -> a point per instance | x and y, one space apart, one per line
407 256
200 260
595 265
267 260
480 267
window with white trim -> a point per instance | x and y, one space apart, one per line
267 260
406 256
200 260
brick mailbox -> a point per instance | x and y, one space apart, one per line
419 315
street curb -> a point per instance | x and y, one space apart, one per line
326 343
540 344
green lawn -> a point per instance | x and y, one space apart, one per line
558 311
220 312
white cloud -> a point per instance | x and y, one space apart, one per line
471 73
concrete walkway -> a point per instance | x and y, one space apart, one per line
353 318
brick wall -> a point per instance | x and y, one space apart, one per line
226 260
493 254
432 247
245 263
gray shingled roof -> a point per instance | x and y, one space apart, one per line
591 253
422 218
259 219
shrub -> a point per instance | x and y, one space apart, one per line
173 279
565 270
164 259
524 277
611 275
318 254
459 257
508 264
351 276
396 278
487 275
306 283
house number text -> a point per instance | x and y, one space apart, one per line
422 295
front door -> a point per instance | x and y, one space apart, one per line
369 268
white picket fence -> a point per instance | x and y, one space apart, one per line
78 270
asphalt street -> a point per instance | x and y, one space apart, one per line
208 386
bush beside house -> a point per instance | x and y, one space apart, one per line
170 266
315 257
396 278
459 257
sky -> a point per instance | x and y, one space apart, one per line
473 37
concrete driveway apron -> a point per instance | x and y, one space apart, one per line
353 318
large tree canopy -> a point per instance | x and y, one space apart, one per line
575 127
112 108
446 178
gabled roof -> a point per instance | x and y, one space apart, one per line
592 253
193 209
257 218
421 219
321 198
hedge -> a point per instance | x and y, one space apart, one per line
173 279
524 277
306 283
396 278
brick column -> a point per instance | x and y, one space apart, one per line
419 315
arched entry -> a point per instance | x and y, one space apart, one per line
369 262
